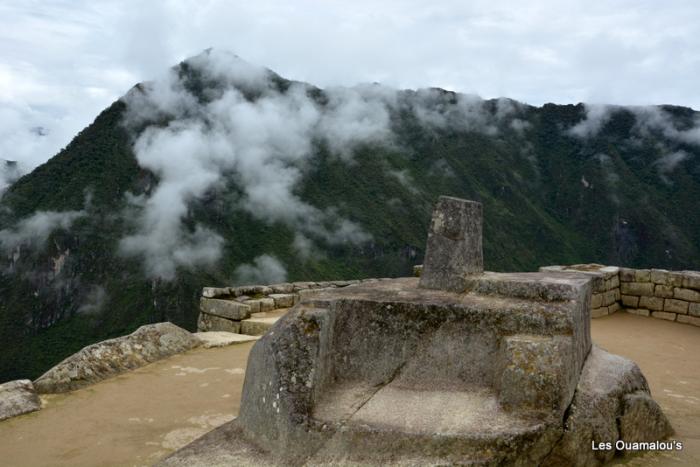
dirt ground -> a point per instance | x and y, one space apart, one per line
137 418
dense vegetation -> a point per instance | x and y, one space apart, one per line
548 199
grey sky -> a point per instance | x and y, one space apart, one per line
61 62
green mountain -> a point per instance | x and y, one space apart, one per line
224 172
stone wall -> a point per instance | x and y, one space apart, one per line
228 308
669 295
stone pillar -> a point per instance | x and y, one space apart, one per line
453 251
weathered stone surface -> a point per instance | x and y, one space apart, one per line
691 279
303 285
453 251
675 279
213 292
253 304
283 300
639 311
613 308
664 291
599 312
214 339
17 398
642 275
659 276
111 357
229 309
630 301
596 300
675 306
694 309
610 297
637 288
252 290
642 419
257 326
652 303
694 320
688 295
262 304
627 275
663 315
282 288
605 382
207 322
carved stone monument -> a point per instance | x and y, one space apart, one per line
459 368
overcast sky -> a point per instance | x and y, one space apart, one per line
61 62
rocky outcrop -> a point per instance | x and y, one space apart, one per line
17 398
111 357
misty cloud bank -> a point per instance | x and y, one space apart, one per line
265 269
246 127
36 228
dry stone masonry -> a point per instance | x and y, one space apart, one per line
669 295
462 368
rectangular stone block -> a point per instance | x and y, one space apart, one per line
598 284
282 300
207 322
252 290
691 279
617 294
652 303
224 308
609 298
454 247
663 291
213 292
630 301
282 288
694 309
626 275
613 308
596 300
615 281
664 315
263 304
642 275
303 285
254 305
675 306
688 295
659 276
637 288
694 320
599 312
638 311
610 272
675 279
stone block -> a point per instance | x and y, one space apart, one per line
627 275
663 315
283 300
694 309
207 322
688 295
612 283
17 398
613 308
596 300
599 312
257 326
637 288
675 306
610 272
663 291
642 275
254 305
453 250
691 279
694 320
229 309
609 298
638 311
630 301
659 276
675 279
213 292
652 303
303 285
252 290
642 419
282 288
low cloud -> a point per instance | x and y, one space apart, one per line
36 228
597 116
94 301
265 269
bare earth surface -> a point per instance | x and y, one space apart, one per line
137 418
